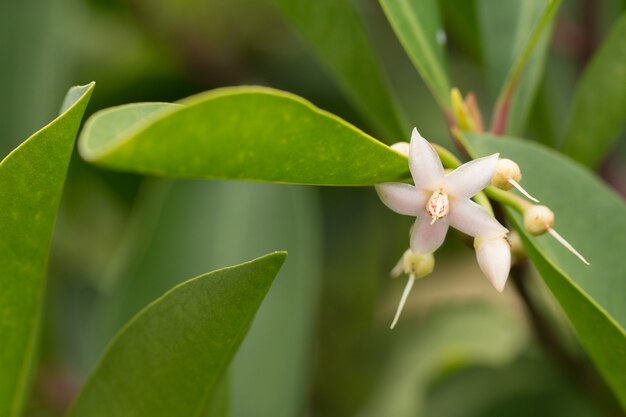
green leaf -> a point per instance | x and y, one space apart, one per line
168 360
598 112
31 182
515 62
243 133
418 26
592 218
206 225
336 33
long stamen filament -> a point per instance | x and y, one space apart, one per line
565 243
522 190
405 295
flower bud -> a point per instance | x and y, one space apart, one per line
415 265
418 264
401 147
494 259
506 170
538 219
462 114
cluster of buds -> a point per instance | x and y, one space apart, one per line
438 200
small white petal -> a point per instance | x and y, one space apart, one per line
472 219
494 259
471 177
424 163
427 237
402 198
401 147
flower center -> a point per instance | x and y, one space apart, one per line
438 205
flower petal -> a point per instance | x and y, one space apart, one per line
402 198
494 259
471 177
424 163
427 237
470 218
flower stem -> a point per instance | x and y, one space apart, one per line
508 199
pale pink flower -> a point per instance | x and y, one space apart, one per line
439 200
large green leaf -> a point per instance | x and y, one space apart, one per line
244 133
31 182
208 224
168 360
515 36
593 218
598 112
334 30
418 26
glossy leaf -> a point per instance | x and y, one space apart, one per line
591 217
336 33
418 26
31 182
206 224
515 63
168 360
245 133
598 112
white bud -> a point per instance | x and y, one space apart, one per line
538 219
401 147
418 264
506 170
508 175
494 259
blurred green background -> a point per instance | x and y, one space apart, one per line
320 345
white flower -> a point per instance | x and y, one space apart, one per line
439 200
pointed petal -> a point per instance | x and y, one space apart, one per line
402 198
424 163
494 259
470 218
427 237
471 177
401 147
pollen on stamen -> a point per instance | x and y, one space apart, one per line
438 206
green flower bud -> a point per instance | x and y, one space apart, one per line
538 220
506 170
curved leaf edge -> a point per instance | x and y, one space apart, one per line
534 253
576 165
92 155
530 240
278 255
73 98
65 108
